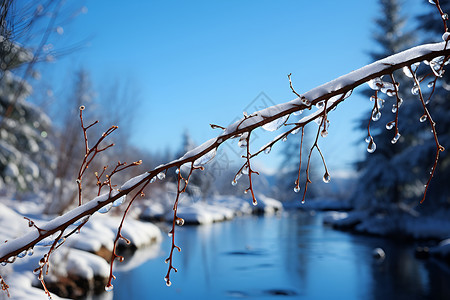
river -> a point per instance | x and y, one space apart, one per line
292 256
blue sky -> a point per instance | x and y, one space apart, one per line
201 62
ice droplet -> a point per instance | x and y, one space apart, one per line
368 139
81 221
432 2
297 189
407 72
326 177
177 171
109 287
348 94
161 176
394 108
275 124
324 133
245 171
415 90
390 125
119 201
295 131
444 16
320 104
179 221
376 115
22 254
30 251
423 118
395 138
446 36
371 147
284 139
430 84
267 150
105 208
243 140
205 158
298 112
234 182
375 84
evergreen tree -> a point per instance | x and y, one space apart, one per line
438 195
383 181
26 162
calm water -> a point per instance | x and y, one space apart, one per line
288 257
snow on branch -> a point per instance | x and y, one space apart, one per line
325 97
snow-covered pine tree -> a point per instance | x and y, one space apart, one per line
26 154
383 181
439 106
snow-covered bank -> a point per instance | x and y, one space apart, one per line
75 269
214 209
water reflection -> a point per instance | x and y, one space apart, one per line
292 256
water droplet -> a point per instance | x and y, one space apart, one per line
161 176
415 90
324 133
167 260
245 171
372 98
30 251
407 72
119 201
243 140
326 177
444 16
153 179
394 108
298 112
254 202
371 147
320 104
179 221
423 118
168 283
380 104
390 125
395 138
234 182
368 139
267 150
4 263
105 208
297 189
275 124
109 287
81 221
348 94
375 84
206 158
376 115
430 84
22 254
432 2
446 36
284 139
177 171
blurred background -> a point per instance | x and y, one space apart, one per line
163 72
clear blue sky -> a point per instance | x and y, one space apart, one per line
201 62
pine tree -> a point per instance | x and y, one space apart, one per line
26 162
382 181
439 192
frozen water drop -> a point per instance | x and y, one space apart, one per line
109 287
179 221
234 182
444 16
119 201
153 179
80 221
348 94
395 138
284 139
423 118
295 131
177 171
371 147
407 72
204 159
430 84
168 283
376 115
446 36
243 140
105 208
375 84
22 254
267 150
298 112
394 108
324 133
390 125
368 139
320 104
415 90
275 124
297 189
161 176
326 177
432 2
30 251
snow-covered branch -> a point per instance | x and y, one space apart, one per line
272 118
